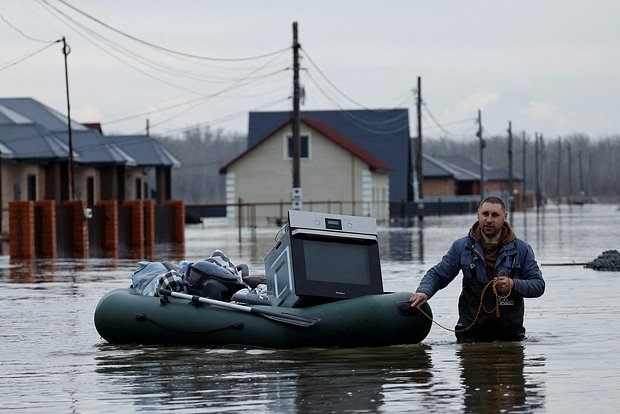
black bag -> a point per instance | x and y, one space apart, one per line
215 278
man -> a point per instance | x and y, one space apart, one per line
499 270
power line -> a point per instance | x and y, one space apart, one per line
25 57
165 49
12 26
359 122
231 116
330 82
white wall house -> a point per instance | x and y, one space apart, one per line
337 176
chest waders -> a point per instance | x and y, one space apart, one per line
508 326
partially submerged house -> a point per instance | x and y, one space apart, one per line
352 161
35 161
337 174
455 179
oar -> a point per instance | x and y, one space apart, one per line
283 317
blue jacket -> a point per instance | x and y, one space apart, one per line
515 259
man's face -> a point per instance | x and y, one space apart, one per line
491 218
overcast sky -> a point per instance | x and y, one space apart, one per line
549 66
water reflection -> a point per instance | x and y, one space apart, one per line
303 381
493 378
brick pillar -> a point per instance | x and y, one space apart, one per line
178 220
21 229
110 225
149 226
136 224
79 227
46 227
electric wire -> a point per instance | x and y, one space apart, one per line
333 85
400 127
239 82
231 116
442 127
165 49
21 32
25 57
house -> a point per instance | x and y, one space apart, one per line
467 176
155 161
456 179
381 132
35 162
337 175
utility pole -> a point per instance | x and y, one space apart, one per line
148 128
581 190
419 158
542 161
570 178
559 170
536 172
482 144
65 51
296 194
511 188
524 194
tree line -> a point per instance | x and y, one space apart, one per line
202 152
568 167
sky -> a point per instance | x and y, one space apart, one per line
549 67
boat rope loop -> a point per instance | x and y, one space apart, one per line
498 298
141 317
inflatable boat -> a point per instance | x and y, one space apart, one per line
323 288
122 316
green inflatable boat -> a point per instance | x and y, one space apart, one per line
122 316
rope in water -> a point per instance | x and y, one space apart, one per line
481 306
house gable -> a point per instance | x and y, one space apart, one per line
382 133
337 170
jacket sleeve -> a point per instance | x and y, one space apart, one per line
444 272
531 283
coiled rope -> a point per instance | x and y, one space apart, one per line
498 298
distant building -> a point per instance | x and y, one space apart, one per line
34 156
456 179
337 174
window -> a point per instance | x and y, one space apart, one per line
138 189
304 147
90 191
32 187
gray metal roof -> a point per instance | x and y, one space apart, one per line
28 110
145 150
95 148
32 142
473 167
441 168
89 146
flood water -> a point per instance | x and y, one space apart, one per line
53 361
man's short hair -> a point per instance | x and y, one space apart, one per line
493 200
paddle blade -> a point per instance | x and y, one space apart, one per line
288 318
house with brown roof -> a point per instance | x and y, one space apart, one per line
337 175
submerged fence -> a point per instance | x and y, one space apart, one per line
44 228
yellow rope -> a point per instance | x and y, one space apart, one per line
498 297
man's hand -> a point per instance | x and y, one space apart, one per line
418 299
504 285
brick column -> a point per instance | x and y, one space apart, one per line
79 227
21 229
149 226
136 223
178 219
46 227
110 226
